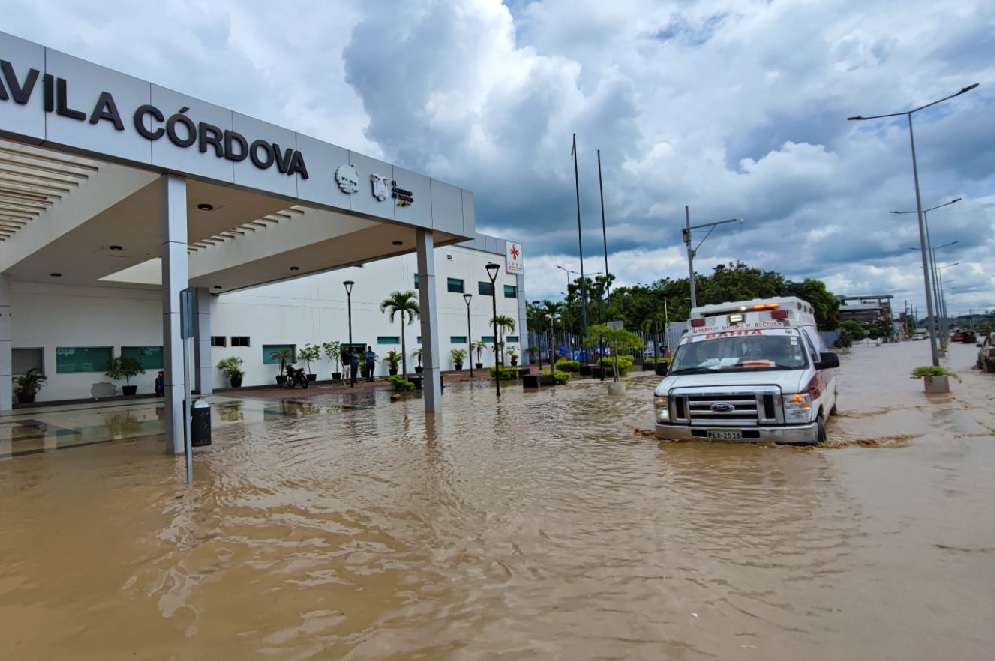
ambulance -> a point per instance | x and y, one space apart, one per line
749 371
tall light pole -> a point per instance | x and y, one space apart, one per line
934 353
492 271
932 256
469 333
938 324
535 306
348 295
943 300
692 251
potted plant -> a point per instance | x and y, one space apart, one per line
232 369
478 348
512 352
285 356
333 351
416 354
28 384
309 353
121 367
935 378
393 359
458 356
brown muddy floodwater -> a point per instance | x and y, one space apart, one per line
543 527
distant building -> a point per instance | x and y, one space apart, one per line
865 309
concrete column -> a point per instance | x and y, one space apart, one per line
202 357
431 356
175 278
6 343
523 319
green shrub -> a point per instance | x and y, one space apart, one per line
624 364
561 378
400 384
567 365
932 370
507 373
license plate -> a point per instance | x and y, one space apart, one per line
723 435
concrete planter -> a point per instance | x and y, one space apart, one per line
936 385
616 388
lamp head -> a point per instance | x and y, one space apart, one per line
492 271
467 297
348 286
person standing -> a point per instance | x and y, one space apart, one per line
371 360
353 366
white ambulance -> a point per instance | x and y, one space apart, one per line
754 371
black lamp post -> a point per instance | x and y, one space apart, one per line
469 333
492 271
348 295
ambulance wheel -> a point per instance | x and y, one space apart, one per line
820 425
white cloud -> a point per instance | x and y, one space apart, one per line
733 107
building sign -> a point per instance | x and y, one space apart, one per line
148 121
514 262
404 198
347 178
380 186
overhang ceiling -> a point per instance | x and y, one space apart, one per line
236 238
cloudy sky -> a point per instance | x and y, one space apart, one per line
733 107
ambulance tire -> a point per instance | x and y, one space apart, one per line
820 425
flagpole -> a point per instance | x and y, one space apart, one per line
580 249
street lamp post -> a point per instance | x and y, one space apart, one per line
492 271
938 324
692 251
348 295
469 333
922 222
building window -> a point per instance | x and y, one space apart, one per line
455 285
487 339
510 291
457 339
240 341
270 349
69 360
149 357
23 360
511 338
416 281
219 341
418 340
388 339
485 288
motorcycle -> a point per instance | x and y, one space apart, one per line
296 376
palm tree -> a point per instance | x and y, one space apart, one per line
503 322
406 303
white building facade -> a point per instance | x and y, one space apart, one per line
71 332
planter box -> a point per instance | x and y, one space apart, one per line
936 385
537 380
662 369
524 372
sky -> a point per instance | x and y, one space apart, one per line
732 108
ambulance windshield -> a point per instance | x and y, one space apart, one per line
733 351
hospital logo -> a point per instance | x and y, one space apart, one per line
381 187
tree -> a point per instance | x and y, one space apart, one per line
405 304
827 306
503 323
617 339
852 330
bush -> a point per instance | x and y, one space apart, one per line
507 373
932 370
400 384
561 378
567 365
624 364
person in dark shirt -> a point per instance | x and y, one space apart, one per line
353 366
371 361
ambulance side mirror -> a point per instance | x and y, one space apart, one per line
827 360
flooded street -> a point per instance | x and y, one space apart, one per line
544 526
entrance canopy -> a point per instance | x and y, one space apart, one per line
82 149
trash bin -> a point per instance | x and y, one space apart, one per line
200 424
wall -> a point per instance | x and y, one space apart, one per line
311 309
